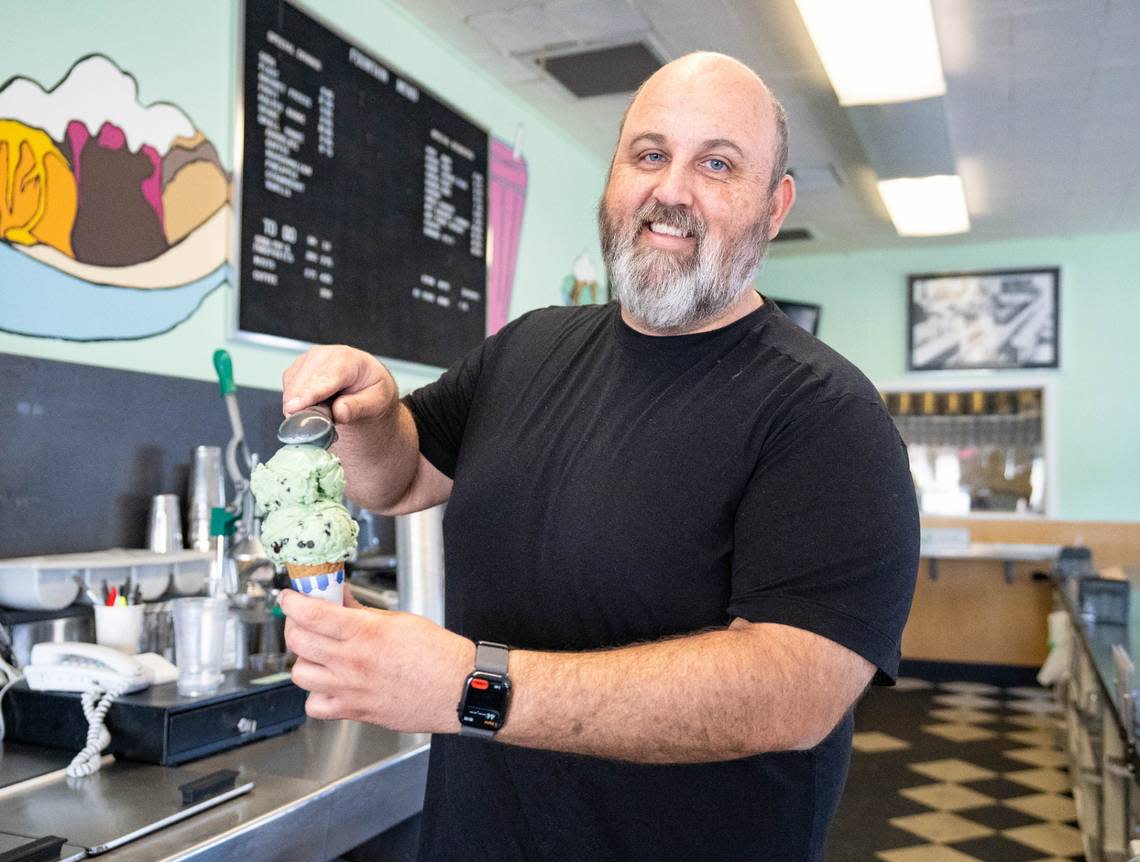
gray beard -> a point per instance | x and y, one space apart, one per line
667 292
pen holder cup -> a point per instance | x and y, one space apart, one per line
119 626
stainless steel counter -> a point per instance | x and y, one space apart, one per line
1100 739
320 790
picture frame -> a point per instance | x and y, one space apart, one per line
803 314
984 320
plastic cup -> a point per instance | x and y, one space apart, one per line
164 527
119 627
199 641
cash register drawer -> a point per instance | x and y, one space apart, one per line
159 725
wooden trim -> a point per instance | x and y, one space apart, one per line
971 615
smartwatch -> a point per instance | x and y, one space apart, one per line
483 707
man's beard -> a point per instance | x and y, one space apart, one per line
672 291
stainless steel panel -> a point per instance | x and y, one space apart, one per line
24 636
419 549
372 802
320 790
241 829
121 799
20 762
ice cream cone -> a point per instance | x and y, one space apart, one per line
319 580
305 527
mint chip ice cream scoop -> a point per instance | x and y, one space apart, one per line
298 491
319 533
297 475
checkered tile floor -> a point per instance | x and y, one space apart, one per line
956 772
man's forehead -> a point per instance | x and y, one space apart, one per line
679 119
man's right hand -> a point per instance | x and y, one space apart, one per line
377 439
363 388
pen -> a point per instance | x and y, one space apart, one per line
112 595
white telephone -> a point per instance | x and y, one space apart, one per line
75 666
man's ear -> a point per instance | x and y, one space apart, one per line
781 203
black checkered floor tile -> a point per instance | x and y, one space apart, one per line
956 772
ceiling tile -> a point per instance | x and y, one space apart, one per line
471 7
1057 39
1022 8
1124 14
1121 33
975 10
537 26
509 70
1115 94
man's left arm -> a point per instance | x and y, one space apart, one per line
716 695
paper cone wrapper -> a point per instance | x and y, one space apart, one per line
318 581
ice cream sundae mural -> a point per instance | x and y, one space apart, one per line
113 214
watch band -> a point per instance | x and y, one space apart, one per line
477 732
492 658
489 658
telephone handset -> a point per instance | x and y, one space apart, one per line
75 666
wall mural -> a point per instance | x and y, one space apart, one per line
114 215
580 287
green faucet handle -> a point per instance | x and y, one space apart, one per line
225 368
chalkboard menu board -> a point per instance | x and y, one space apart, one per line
363 199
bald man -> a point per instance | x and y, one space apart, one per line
689 525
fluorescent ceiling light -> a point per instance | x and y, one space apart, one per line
926 206
876 51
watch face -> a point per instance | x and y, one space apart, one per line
485 701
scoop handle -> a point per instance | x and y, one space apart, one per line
225 368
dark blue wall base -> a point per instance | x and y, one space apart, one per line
85 448
1004 675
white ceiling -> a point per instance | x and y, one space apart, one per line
1042 102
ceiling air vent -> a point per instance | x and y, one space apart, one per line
793 234
602 71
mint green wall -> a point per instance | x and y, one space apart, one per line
1097 387
184 53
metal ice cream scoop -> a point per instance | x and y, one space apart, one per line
313 425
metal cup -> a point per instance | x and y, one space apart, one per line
207 490
164 528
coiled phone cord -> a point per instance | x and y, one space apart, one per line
95 702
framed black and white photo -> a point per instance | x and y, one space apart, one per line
984 320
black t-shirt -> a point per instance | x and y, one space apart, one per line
612 487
